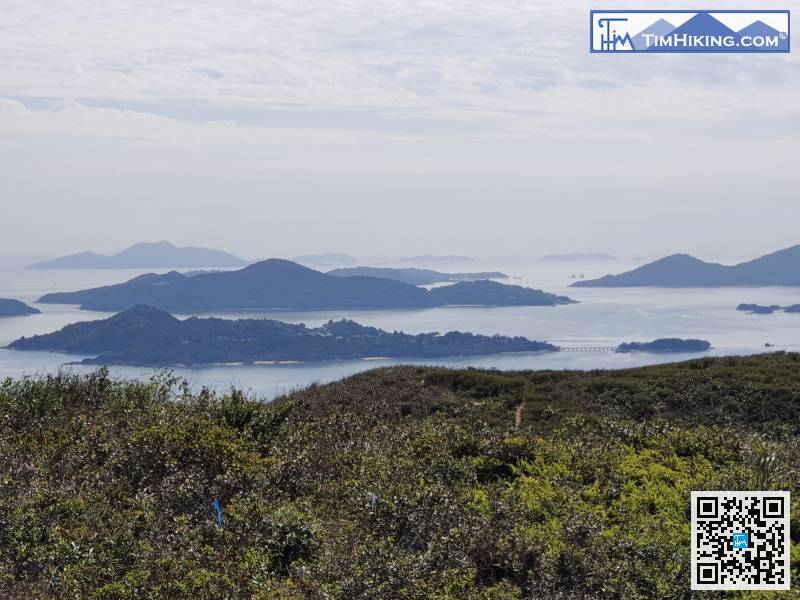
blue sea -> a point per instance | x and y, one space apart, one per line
604 317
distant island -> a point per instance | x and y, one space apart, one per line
15 308
282 284
681 270
432 258
144 336
415 276
759 309
665 345
578 256
327 258
146 255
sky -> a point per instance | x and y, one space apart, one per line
384 127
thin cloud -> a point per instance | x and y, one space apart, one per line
378 54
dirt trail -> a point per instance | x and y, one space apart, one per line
518 416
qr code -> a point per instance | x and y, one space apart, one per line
740 540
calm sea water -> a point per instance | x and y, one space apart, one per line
604 317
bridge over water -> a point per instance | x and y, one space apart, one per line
587 348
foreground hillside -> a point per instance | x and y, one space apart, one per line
396 483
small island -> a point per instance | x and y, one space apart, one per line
144 336
760 309
15 308
665 345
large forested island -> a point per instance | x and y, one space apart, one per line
681 270
282 284
146 336
400 483
145 255
15 308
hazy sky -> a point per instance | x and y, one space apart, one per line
384 127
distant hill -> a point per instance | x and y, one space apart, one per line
282 284
149 337
415 276
681 270
15 308
328 258
146 255
666 345
491 293
579 256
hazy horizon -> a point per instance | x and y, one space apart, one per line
625 259
384 129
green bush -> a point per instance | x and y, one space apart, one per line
407 482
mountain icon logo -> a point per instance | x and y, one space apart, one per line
703 31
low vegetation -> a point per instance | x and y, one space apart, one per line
405 482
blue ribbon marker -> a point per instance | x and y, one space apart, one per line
220 522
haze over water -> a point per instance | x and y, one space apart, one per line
604 317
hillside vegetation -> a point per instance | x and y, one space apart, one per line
405 482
